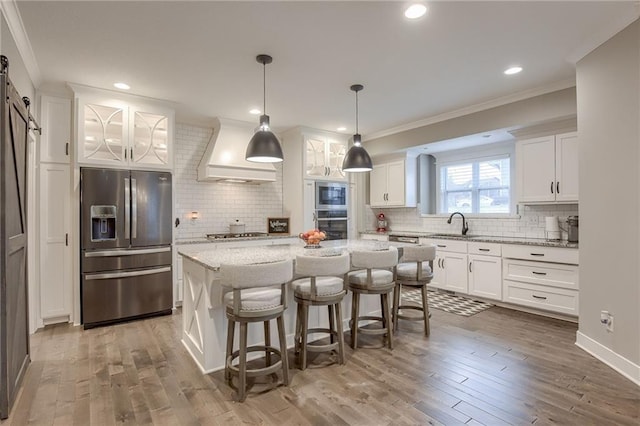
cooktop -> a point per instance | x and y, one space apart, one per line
241 235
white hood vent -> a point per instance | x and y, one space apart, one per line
223 160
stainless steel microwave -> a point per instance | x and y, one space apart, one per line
331 195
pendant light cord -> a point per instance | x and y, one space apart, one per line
356 112
264 88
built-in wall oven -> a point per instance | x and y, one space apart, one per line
331 213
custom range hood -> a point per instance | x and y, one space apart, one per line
223 160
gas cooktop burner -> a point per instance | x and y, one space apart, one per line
242 235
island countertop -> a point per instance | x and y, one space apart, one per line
212 258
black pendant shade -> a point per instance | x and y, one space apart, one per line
357 158
264 146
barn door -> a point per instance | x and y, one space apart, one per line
14 331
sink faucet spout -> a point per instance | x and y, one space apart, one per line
465 227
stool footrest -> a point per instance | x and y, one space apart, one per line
369 330
256 372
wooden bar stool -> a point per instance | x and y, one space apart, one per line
378 278
259 295
415 271
324 285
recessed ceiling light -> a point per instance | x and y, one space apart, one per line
512 70
255 111
123 86
415 11
341 129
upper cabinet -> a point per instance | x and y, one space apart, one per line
393 184
123 132
55 120
547 169
318 153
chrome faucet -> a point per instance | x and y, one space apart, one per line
465 227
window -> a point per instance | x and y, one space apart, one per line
476 186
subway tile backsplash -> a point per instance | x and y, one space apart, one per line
530 224
217 203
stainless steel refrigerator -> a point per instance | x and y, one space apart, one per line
125 220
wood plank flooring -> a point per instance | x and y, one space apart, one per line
499 367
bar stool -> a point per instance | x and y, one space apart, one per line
414 270
324 285
378 277
259 295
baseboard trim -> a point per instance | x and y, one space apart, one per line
619 363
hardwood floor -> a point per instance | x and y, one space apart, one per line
498 367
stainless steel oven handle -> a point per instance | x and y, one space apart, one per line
110 275
127 209
134 209
112 253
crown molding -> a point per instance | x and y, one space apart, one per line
16 27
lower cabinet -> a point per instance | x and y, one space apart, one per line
450 265
551 285
485 270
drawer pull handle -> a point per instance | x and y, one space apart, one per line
539 297
537 254
483 249
538 273
441 245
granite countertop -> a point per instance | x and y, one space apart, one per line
214 257
202 240
481 238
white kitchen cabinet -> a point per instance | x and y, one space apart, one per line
485 270
547 169
314 154
56 291
55 121
119 131
541 277
324 156
450 265
393 184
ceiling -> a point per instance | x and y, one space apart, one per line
200 55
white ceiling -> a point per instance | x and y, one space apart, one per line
201 55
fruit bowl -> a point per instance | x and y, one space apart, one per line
312 238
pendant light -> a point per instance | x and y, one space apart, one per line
357 158
264 146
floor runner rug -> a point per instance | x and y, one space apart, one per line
447 302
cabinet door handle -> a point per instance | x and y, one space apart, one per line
442 263
66 239
66 148
539 297
125 153
552 187
538 273
558 187
536 254
484 249
131 154
469 266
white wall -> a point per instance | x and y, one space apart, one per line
217 203
608 82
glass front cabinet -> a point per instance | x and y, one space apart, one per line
120 133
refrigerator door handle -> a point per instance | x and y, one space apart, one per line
134 209
111 275
127 209
112 253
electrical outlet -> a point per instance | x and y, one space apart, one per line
531 220
606 319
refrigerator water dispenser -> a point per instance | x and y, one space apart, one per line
103 223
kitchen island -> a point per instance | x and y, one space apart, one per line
203 312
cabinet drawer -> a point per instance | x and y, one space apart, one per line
446 245
374 237
541 297
538 253
549 274
488 249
